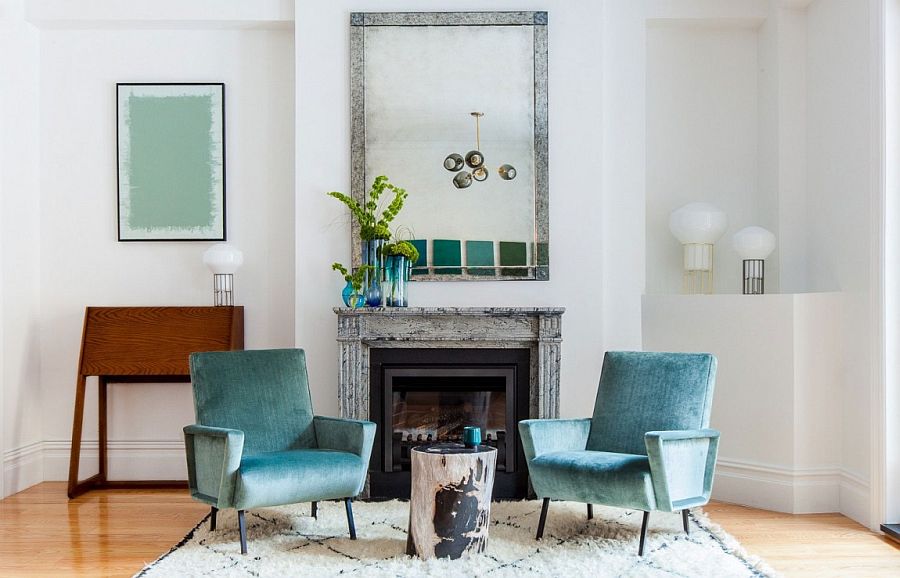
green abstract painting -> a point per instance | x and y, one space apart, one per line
171 165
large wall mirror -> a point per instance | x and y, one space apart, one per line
453 108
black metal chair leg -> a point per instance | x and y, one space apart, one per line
242 527
684 520
212 518
315 510
643 533
540 529
350 518
590 511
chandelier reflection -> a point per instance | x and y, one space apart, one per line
474 160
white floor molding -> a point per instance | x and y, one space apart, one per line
128 460
804 491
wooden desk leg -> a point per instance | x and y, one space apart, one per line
77 423
101 397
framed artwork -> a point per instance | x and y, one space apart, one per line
171 161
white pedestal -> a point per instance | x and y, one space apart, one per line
778 393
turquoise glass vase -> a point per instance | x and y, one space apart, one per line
351 297
371 255
396 271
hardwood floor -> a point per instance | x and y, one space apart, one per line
811 545
115 532
108 533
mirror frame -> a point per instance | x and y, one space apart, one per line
539 269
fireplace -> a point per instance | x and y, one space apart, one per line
425 396
435 354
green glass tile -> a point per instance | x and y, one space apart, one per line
512 253
420 267
480 254
447 257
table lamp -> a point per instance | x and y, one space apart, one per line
223 260
754 244
698 226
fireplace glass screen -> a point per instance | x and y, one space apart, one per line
426 409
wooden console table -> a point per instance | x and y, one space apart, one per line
142 345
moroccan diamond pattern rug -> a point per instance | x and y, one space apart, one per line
286 541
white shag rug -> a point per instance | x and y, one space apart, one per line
286 541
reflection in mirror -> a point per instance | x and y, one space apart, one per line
453 108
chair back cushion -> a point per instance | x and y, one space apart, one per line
264 393
647 391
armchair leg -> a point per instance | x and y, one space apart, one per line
684 521
212 518
540 530
315 510
350 518
242 527
643 533
590 511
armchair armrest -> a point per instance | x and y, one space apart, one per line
348 435
542 436
213 459
682 464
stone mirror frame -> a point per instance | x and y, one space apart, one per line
415 80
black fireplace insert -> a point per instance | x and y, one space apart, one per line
426 396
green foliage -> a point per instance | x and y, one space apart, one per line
356 278
402 248
374 224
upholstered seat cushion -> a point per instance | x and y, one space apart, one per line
593 477
275 478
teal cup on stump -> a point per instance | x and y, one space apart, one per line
471 436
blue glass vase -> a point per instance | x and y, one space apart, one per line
371 255
396 271
351 298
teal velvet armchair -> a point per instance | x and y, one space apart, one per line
256 442
647 446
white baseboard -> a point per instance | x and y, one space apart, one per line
806 491
127 460
22 468
795 491
855 499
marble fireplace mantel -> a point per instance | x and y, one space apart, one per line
538 329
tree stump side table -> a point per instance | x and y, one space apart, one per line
450 500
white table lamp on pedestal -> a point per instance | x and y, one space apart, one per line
754 245
698 226
223 260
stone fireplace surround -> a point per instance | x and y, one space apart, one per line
535 329
538 329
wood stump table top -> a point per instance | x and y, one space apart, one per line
453 449
450 501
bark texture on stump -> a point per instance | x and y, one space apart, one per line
450 500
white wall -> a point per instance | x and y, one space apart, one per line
82 263
815 127
702 141
783 150
576 206
20 393
892 260
843 213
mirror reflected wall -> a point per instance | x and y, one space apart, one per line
453 108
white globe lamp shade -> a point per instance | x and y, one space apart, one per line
700 223
223 259
754 243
